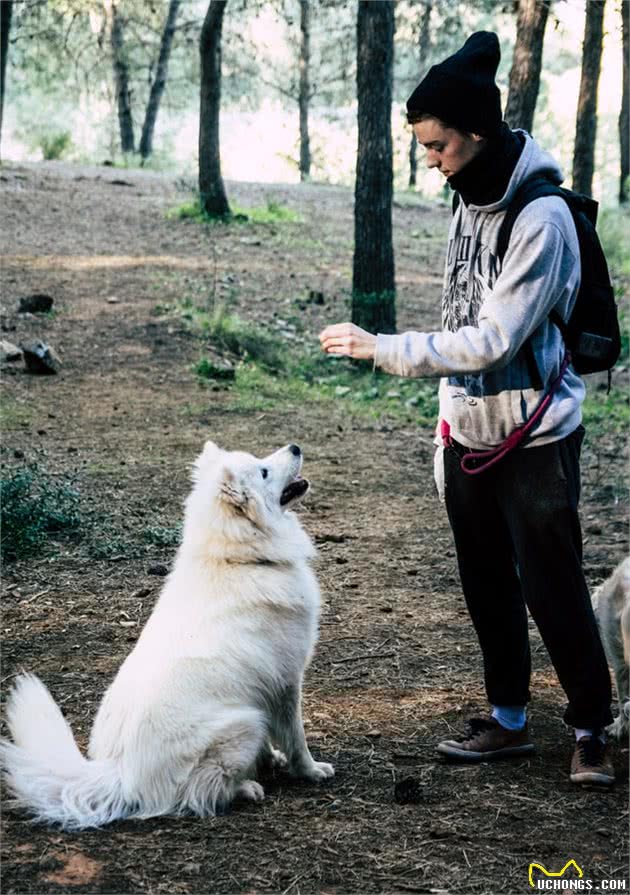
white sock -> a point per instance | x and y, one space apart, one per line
512 717
588 732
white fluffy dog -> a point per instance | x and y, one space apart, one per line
215 678
611 601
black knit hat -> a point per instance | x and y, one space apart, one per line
461 91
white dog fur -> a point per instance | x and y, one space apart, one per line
611 602
215 678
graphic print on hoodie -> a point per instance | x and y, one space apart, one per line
489 311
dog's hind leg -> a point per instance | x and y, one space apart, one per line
619 727
231 757
288 734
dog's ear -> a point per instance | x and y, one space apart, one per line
206 459
210 449
231 491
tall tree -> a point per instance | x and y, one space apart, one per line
624 115
6 11
121 80
424 47
373 285
159 82
524 81
305 55
586 122
211 188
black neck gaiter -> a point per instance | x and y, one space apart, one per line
484 180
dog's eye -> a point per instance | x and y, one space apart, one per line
264 473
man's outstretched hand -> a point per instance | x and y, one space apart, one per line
347 339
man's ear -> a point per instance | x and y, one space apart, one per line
477 138
231 490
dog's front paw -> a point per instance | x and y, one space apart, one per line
320 771
277 759
619 727
250 790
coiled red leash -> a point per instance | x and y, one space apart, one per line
475 462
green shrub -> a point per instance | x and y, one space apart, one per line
54 146
33 507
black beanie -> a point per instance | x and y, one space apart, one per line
461 91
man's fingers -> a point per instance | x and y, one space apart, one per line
334 331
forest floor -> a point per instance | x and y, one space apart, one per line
397 665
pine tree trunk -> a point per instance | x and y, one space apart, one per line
121 82
305 54
159 82
211 188
413 161
6 11
424 45
586 123
373 285
524 81
624 116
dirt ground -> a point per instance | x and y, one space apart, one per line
397 666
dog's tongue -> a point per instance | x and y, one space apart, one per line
297 488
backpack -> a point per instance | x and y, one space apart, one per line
591 334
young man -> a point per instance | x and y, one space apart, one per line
515 525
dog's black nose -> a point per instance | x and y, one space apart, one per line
295 450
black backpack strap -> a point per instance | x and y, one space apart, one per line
531 189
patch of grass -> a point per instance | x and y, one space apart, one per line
272 213
33 506
607 412
207 369
246 341
13 415
362 391
163 535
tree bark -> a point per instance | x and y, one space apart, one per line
424 45
524 81
305 55
159 82
211 188
6 11
624 115
373 285
121 82
586 122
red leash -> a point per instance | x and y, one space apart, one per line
486 459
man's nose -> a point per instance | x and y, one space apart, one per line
432 161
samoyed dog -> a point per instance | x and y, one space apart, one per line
212 689
611 602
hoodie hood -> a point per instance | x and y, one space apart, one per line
533 161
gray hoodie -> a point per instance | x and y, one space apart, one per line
489 311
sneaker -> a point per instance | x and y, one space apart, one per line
591 762
486 740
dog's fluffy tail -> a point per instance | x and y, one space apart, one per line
44 769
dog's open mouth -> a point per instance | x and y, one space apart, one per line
294 490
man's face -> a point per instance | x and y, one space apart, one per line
448 150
